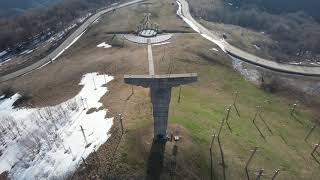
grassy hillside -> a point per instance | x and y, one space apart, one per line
198 115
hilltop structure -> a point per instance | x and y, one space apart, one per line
160 85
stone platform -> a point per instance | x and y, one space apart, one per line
143 40
148 33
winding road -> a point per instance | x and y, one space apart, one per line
67 43
184 13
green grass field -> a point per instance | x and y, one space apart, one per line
203 106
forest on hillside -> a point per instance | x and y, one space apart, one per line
9 8
292 24
310 7
36 22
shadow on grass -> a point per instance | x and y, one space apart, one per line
156 158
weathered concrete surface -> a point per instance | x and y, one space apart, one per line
142 40
66 43
160 85
150 58
172 80
293 69
160 92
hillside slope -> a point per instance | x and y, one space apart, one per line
309 7
14 7
292 25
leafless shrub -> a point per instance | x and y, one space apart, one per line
73 105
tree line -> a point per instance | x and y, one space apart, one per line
37 22
295 33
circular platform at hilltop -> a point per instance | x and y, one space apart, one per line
144 40
148 33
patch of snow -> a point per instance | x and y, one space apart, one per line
70 27
96 21
80 20
3 53
257 47
219 43
5 61
251 75
315 64
74 40
104 45
295 63
214 49
159 44
114 4
47 143
26 52
230 4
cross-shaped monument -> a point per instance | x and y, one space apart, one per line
160 91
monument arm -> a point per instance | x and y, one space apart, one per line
170 80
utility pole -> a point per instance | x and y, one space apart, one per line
309 133
275 174
249 161
86 101
121 123
227 118
179 94
132 92
82 102
84 136
84 161
254 121
314 150
211 158
234 102
97 160
265 123
73 157
220 147
293 109
64 148
259 174
94 83
105 80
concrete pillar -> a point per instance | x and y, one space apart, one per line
160 98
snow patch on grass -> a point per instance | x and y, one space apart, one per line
159 44
249 74
2 53
214 49
47 143
104 45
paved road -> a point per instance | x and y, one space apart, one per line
66 43
245 56
150 58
